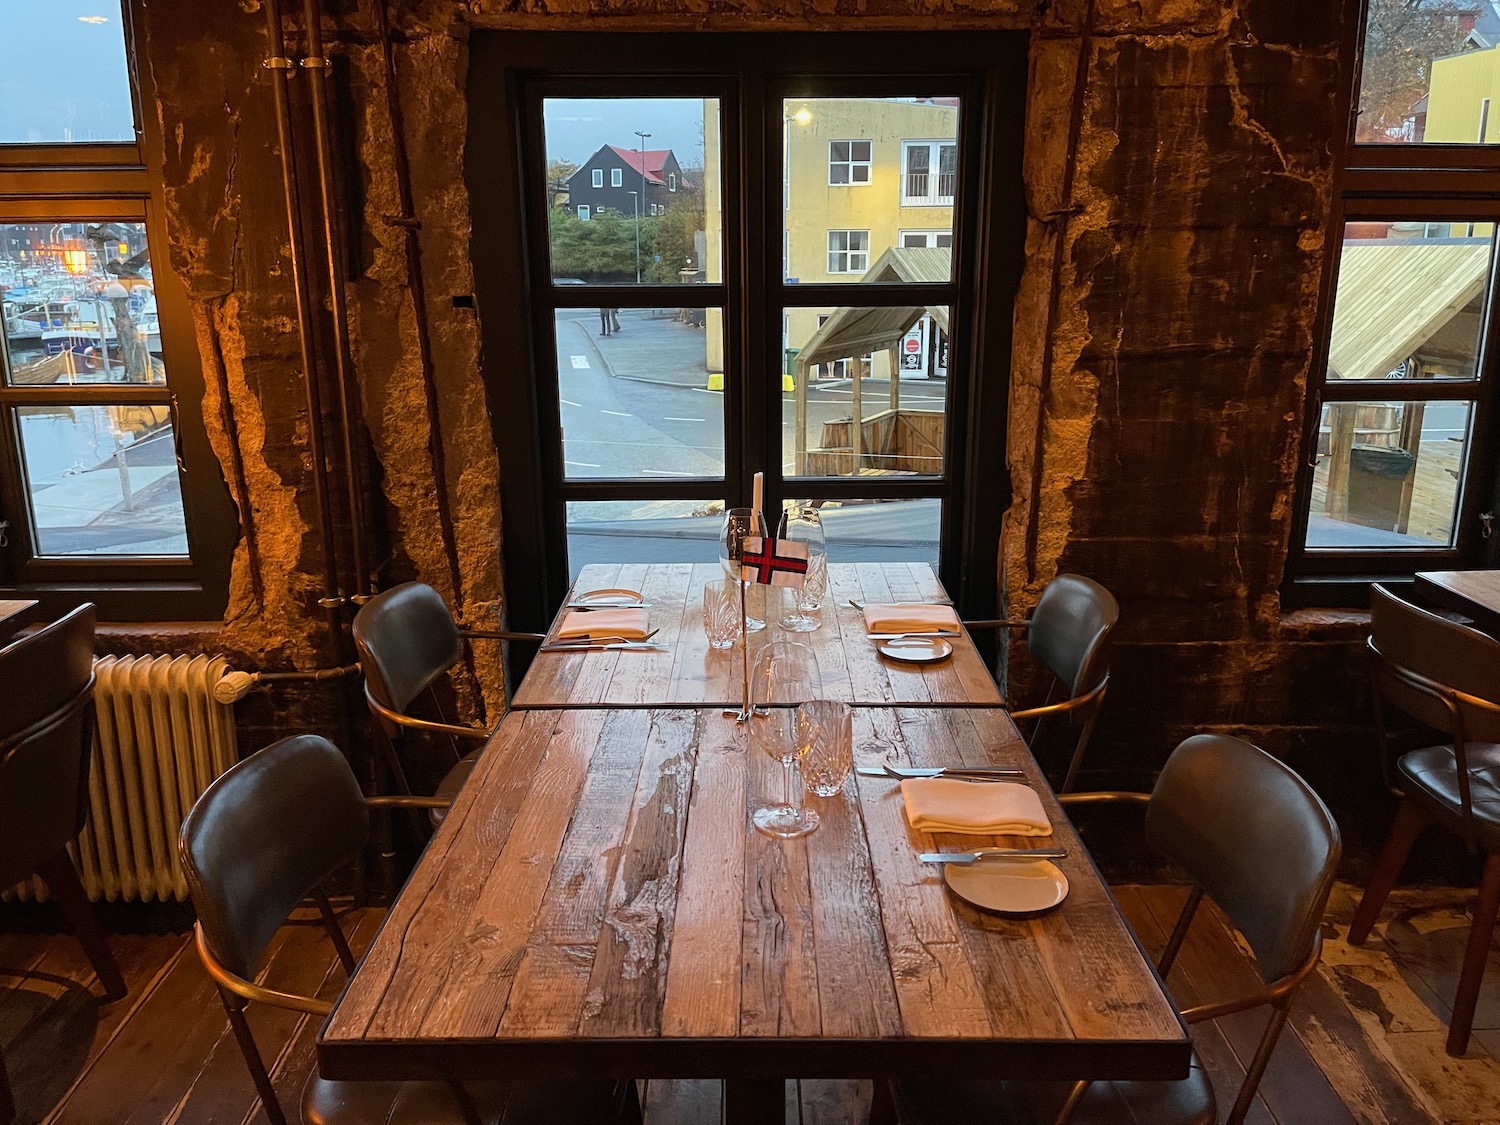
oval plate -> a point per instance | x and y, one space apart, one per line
604 599
916 650
1008 886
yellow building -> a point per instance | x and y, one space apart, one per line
864 174
1464 88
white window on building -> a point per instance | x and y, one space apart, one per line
848 162
583 211
671 181
848 251
929 173
927 238
617 177
598 177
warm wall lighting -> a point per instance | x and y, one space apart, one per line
75 259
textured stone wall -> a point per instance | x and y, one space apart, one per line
1178 179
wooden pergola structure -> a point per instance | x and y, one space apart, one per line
851 332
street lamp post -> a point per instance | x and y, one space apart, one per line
640 203
635 206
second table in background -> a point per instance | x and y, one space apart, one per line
689 673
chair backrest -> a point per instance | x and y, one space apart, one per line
264 835
407 639
46 735
1255 837
1070 630
1408 638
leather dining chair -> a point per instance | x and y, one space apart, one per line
1256 839
1446 676
407 641
46 749
1068 632
262 838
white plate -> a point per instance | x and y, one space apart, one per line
603 599
916 650
1008 886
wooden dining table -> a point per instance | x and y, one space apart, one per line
597 903
687 672
13 615
1473 593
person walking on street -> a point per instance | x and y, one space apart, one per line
604 319
614 319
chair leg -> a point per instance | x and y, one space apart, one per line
1410 820
62 880
1472 975
882 1105
234 1007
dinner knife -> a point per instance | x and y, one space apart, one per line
618 646
992 853
912 636
938 771
612 605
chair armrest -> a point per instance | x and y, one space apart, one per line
1077 703
249 990
407 801
500 635
427 725
1104 797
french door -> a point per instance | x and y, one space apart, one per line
694 263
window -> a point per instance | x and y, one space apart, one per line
1399 472
108 489
848 251
848 162
929 173
617 177
583 212
599 177
628 449
671 181
927 239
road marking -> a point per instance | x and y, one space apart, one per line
567 402
665 473
580 362
669 418
583 464
617 413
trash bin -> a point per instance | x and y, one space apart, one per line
791 362
1378 475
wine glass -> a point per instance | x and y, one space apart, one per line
741 524
803 525
785 675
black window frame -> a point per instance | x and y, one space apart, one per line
511 72
119 182
1395 182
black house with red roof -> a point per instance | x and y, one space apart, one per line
608 177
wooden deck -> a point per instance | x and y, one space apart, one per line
1365 1042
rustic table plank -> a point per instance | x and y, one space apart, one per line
689 673
598 902
1474 593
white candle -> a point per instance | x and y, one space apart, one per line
759 493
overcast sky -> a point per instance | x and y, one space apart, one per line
62 72
578 127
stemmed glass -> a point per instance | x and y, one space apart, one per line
740 524
785 675
803 525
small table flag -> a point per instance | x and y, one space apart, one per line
773 562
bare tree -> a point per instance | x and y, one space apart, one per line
1402 37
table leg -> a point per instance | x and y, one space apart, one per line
754 1102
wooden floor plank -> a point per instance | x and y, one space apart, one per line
679 1101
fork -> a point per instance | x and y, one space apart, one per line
569 641
857 604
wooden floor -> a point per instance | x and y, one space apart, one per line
1365 1043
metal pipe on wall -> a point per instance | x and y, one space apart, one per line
316 64
281 69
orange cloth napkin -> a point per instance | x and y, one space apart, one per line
911 618
627 623
990 808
